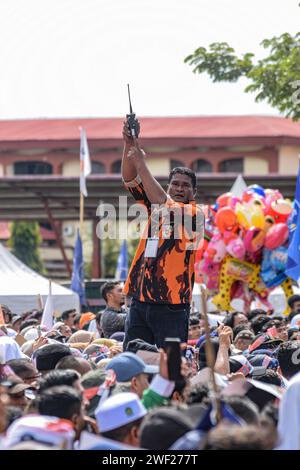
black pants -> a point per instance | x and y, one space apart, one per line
154 322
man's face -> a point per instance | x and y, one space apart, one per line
282 332
243 343
240 319
195 331
180 188
70 320
296 305
116 295
141 383
65 330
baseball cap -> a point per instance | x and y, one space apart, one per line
127 365
240 363
295 321
119 410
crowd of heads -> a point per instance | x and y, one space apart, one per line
74 380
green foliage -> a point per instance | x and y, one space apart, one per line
110 253
24 242
275 79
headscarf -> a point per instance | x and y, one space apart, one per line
81 336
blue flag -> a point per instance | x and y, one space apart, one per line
122 264
77 283
208 419
293 263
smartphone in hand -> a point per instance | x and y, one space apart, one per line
173 351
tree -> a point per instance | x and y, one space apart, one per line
24 242
275 79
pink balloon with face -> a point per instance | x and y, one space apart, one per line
236 248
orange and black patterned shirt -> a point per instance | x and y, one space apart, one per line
167 278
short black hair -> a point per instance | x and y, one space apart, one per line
108 287
37 315
238 328
258 322
292 299
286 354
69 363
198 393
243 407
61 401
58 377
194 320
253 437
30 322
182 170
48 356
255 313
229 319
65 315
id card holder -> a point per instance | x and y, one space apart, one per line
151 248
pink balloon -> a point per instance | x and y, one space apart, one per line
236 248
276 236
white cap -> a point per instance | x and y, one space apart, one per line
119 410
31 334
295 321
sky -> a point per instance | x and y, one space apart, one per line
74 58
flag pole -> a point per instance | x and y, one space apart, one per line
210 355
40 302
81 214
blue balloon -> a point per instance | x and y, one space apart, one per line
257 189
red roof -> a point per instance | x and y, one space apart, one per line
152 128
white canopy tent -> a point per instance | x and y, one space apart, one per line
20 287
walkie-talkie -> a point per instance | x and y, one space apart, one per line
133 123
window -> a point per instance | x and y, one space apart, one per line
234 165
175 163
202 166
97 167
32 168
116 167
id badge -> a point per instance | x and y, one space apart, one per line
151 248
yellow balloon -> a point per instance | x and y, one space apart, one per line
243 216
257 218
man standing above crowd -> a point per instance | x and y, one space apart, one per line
161 277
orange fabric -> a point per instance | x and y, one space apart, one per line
85 318
169 277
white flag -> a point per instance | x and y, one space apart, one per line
238 187
47 318
85 162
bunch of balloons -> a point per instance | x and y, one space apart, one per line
244 252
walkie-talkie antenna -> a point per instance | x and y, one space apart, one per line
130 107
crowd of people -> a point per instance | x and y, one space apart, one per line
77 387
